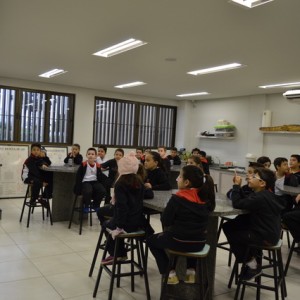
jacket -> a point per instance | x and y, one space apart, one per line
31 167
158 180
80 175
77 159
264 213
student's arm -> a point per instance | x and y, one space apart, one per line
168 216
161 183
67 158
78 159
177 160
251 203
121 206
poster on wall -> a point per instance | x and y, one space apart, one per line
57 155
12 158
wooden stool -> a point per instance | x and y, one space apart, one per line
201 269
136 244
292 249
40 202
80 209
275 262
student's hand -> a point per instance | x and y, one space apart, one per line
237 180
44 167
297 199
148 185
116 232
42 154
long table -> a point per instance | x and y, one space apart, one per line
223 208
290 190
63 183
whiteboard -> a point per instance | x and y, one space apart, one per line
12 158
57 155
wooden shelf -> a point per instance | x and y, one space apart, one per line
215 137
280 132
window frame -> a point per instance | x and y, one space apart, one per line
136 123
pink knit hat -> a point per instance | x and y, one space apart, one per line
128 164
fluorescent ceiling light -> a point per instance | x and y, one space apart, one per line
193 94
129 85
288 84
216 69
119 48
251 3
53 73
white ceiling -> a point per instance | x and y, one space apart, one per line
39 35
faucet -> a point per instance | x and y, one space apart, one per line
219 161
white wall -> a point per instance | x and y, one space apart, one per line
246 114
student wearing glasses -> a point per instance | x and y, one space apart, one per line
261 226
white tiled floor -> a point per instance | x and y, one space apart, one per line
52 262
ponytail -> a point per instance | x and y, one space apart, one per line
207 192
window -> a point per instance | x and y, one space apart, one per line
36 116
121 123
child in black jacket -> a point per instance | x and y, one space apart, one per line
89 180
185 219
262 226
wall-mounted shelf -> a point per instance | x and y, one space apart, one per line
215 137
280 132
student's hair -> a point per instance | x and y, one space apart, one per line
297 156
202 153
38 145
142 172
76 145
173 149
163 147
102 147
140 148
264 159
196 150
197 160
278 161
268 176
156 157
132 181
119 150
203 182
255 165
91 149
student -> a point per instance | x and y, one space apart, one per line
173 156
89 181
74 155
139 154
101 157
47 176
262 226
185 219
162 150
196 152
204 162
32 171
112 167
195 161
128 206
265 161
156 176
293 178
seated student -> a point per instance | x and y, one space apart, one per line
185 219
101 157
47 176
282 169
112 167
262 226
174 156
128 206
245 190
196 152
293 178
195 161
139 154
265 161
74 155
204 162
162 150
90 180
32 171
156 178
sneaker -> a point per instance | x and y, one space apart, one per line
173 280
251 273
190 278
110 259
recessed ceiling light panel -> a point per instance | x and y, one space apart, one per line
53 73
216 69
120 47
193 94
130 84
250 3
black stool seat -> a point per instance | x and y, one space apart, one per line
201 271
274 262
32 204
135 239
